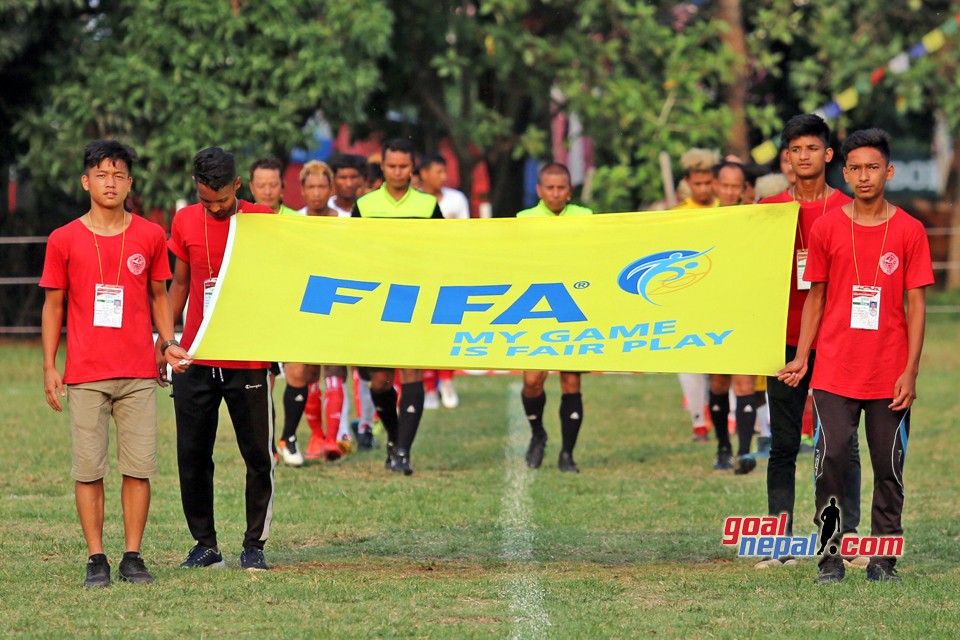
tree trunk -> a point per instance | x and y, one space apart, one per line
953 196
735 93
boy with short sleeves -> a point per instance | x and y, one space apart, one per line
806 142
110 267
198 239
865 260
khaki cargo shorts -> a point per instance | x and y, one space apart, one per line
133 404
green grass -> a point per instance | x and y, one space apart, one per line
630 547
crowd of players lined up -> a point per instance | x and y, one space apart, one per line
112 359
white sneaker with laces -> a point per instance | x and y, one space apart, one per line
431 400
290 453
448 394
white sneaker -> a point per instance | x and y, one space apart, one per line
290 453
448 394
431 400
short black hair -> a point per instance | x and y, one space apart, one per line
97 151
431 159
273 164
805 124
348 161
554 168
374 173
398 145
874 137
729 163
214 168
753 171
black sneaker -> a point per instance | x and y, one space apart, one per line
535 451
98 571
365 438
251 559
830 570
882 572
745 464
201 557
724 460
388 465
132 568
566 462
400 462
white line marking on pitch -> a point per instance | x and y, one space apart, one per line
524 590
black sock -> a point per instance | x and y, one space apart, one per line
719 408
571 417
411 409
131 555
746 413
97 557
534 410
294 400
385 402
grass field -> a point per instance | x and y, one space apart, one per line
474 545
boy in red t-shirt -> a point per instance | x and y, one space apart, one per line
806 141
198 239
865 260
110 267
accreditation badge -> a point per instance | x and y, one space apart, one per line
802 285
208 287
108 306
865 308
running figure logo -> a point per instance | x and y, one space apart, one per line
830 527
664 272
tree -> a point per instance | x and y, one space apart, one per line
487 74
649 79
29 29
888 63
171 77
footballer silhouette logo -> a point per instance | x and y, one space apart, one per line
658 274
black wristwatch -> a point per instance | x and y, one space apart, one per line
166 345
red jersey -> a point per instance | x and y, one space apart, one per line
73 266
864 364
810 212
202 249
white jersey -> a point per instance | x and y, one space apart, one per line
341 213
453 203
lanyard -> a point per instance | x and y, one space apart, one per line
826 189
882 243
96 244
206 236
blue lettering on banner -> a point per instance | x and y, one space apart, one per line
538 301
322 292
541 301
453 302
562 307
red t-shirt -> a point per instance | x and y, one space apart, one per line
190 243
71 265
810 212
861 363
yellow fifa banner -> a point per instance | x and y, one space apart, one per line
701 290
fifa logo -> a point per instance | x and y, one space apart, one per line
666 272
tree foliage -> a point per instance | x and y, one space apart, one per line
173 76
642 77
819 50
